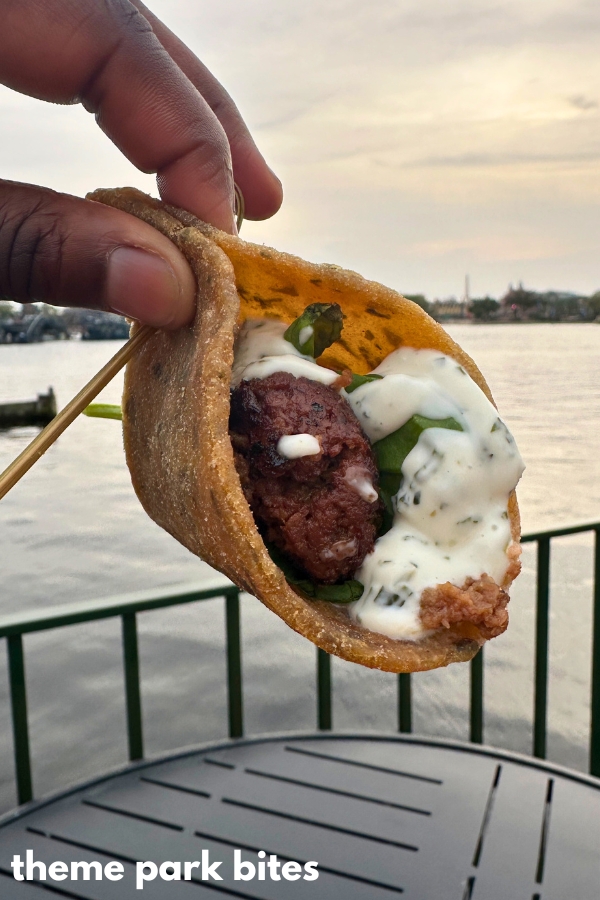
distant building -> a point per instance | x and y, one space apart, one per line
33 322
520 304
444 310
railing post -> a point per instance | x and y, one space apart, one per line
404 703
234 664
133 699
324 714
476 699
18 700
541 648
595 700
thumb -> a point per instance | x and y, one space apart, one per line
72 252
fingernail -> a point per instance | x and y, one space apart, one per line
143 286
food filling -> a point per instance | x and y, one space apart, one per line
306 504
388 491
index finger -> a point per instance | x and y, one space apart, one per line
107 56
259 185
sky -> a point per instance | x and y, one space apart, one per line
417 140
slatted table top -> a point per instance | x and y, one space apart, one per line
382 816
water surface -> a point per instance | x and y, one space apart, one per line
73 530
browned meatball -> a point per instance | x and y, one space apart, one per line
319 510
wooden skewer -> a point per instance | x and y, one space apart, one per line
55 428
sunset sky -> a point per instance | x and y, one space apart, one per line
417 140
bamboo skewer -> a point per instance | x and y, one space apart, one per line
66 416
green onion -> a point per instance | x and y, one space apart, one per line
103 411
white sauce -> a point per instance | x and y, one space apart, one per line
305 334
384 406
297 366
261 350
293 446
451 521
358 479
339 550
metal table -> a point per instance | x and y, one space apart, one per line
382 816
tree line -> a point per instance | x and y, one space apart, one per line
519 304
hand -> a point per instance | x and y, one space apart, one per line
166 112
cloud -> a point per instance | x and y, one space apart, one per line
468 160
415 137
579 101
495 247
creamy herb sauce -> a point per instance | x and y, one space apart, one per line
293 446
305 334
451 521
450 514
359 480
261 349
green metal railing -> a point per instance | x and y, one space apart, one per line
15 626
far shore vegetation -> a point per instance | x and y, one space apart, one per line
32 322
517 305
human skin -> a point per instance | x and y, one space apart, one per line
166 113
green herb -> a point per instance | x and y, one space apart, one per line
392 450
347 592
358 380
335 593
390 453
103 411
323 323
389 485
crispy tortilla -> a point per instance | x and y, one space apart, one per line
176 411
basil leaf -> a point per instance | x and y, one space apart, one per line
103 411
358 380
346 592
390 453
389 485
319 326
392 450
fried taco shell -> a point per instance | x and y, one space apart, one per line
176 411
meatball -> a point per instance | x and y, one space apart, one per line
322 511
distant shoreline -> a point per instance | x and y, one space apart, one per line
464 321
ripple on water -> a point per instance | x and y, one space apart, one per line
73 530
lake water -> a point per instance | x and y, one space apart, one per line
72 530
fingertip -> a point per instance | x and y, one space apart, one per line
271 199
262 190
